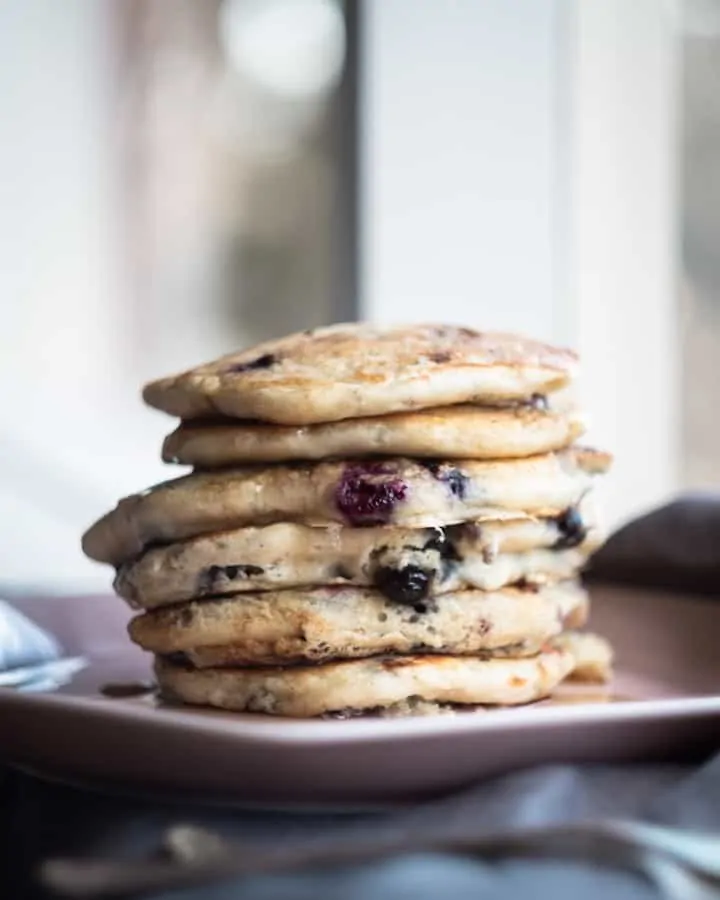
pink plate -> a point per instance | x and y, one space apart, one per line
665 701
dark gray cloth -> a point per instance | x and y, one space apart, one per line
676 547
42 820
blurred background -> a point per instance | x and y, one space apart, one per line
182 177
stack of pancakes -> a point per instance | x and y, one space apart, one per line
378 519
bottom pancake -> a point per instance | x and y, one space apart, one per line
375 683
281 627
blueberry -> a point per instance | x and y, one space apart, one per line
177 658
243 571
208 578
368 493
456 481
572 529
452 477
262 362
539 401
408 585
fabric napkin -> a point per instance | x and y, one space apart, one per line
22 642
675 547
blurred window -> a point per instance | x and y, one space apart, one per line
236 201
700 223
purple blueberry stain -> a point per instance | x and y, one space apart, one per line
368 493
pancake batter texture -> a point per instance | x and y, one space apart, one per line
385 521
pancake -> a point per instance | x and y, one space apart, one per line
390 492
451 432
593 656
330 623
352 370
397 561
309 691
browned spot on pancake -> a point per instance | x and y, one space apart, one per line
484 626
517 682
528 587
596 462
397 662
574 619
372 378
467 333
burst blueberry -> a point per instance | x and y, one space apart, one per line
368 494
408 585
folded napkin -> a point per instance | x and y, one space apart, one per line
676 547
22 642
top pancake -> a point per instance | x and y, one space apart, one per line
353 370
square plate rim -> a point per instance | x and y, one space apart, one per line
287 731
